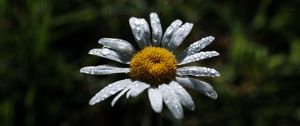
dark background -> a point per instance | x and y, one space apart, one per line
44 43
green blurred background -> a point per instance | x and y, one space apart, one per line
44 43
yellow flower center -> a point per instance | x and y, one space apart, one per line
153 65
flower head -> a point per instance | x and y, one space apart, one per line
155 67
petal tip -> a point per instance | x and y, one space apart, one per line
218 74
193 108
112 104
153 14
92 102
83 70
91 52
211 38
128 94
157 109
215 73
178 22
178 116
214 96
216 53
131 20
100 41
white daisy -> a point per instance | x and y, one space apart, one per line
155 67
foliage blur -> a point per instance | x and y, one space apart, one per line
44 43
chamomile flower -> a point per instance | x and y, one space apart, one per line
155 68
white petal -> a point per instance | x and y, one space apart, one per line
197 71
140 30
156 29
109 54
198 85
183 96
120 94
169 32
179 36
123 47
137 88
103 70
199 45
155 99
171 100
110 90
198 56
